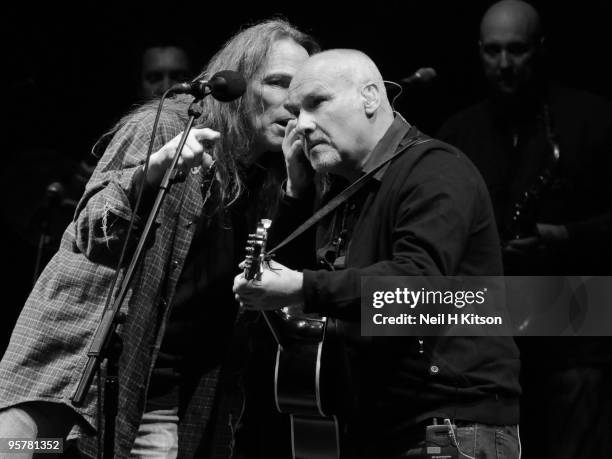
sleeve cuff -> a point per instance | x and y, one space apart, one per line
307 198
312 300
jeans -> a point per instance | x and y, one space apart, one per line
157 436
33 420
479 441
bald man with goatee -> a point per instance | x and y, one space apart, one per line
423 211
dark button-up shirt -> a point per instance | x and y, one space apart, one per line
427 213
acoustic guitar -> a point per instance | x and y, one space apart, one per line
303 372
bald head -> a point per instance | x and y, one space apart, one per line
510 39
349 64
511 16
342 109
345 68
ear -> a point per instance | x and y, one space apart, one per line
371 99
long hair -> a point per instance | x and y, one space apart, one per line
246 52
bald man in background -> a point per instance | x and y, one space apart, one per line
426 213
532 127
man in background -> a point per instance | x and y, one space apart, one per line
545 153
163 65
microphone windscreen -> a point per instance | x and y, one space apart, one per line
55 189
421 76
426 74
54 195
227 85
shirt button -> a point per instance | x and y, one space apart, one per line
175 264
434 370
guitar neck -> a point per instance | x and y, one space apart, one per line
254 265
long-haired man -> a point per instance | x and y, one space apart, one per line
179 309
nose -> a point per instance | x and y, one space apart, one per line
504 59
305 123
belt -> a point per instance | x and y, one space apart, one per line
440 421
416 432
411 436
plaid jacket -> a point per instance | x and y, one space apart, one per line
48 347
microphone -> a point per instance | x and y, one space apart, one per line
421 76
54 194
50 204
225 86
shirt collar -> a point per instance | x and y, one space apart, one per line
388 145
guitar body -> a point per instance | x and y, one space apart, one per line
297 379
303 375
300 380
314 438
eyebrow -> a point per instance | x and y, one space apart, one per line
277 74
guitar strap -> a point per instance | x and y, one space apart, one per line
344 195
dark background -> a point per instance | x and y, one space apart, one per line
70 73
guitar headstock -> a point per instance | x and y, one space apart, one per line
256 250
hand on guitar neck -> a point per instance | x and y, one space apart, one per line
276 288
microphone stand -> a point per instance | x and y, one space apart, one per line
53 200
107 344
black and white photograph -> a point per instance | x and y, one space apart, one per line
321 230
